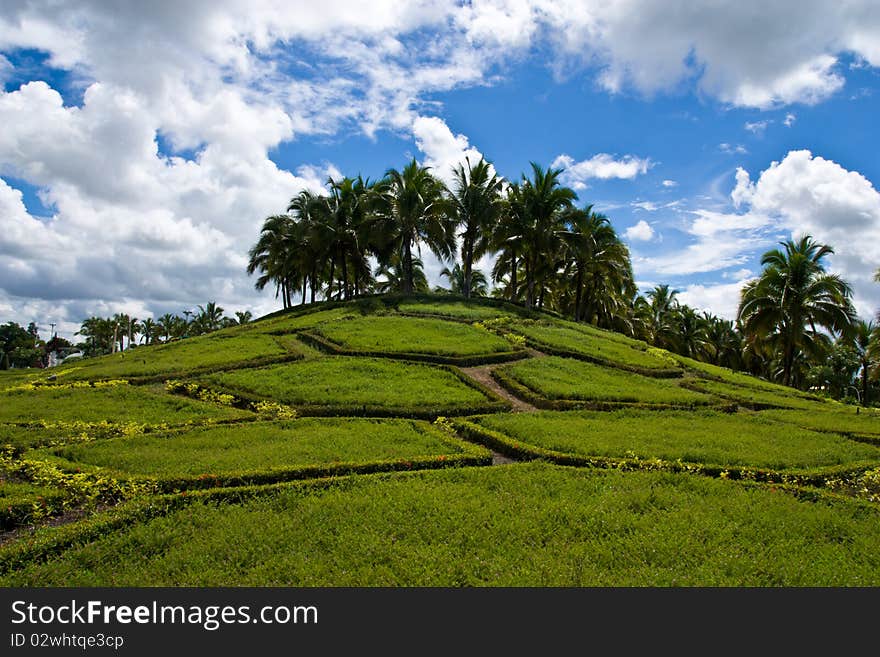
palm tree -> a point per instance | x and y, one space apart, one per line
691 332
476 207
210 317
663 317
395 279
148 330
792 297
411 209
243 317
542 204
598 263
165 325
866 342
479 286
98 332
723 343
509 241
272 256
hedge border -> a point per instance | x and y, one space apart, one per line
520 450
326 345
20 513
693 384
519 389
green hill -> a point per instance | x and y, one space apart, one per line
428 441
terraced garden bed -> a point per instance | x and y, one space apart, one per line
570 381
259 452
699 437
345 385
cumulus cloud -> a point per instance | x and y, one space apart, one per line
789 120
602 166
224 83
757 127
443 150
642 232
669 183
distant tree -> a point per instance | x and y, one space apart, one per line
411 209
792 299
479 286
148 330
243 317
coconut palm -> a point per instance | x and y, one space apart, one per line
598 265
542 204
457 280
663 319
209 318
792 299
509 240
395 278
148 330
243 317
476 206
411 209
866 342
273 255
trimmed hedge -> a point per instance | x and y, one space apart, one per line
320 342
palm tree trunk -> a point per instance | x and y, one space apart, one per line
314 281
865 384
513 289
468 265
345 289
578 295
330 280
407 267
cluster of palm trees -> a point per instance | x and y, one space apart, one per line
363 237
105 335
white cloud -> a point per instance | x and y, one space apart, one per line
789 120
642 232
443 150
720 299
730 149
647 206
757 127
669 183
602 166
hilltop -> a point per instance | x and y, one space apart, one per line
428 440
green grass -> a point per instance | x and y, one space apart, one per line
217 350
454 309
737 378
352 382
117 404
391 334
296 320
750 395
705 437
521 525
602 334
567 378
593 347
21 502
841 419
260 446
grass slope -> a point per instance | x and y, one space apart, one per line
522 525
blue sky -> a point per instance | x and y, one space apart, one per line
143 147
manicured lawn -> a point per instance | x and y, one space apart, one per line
737 378
350 382
838 418
413 335
594 347
296 320
456 309
567 378
117 404
184 357
520 525
706 437
753 395
602 334
260 446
